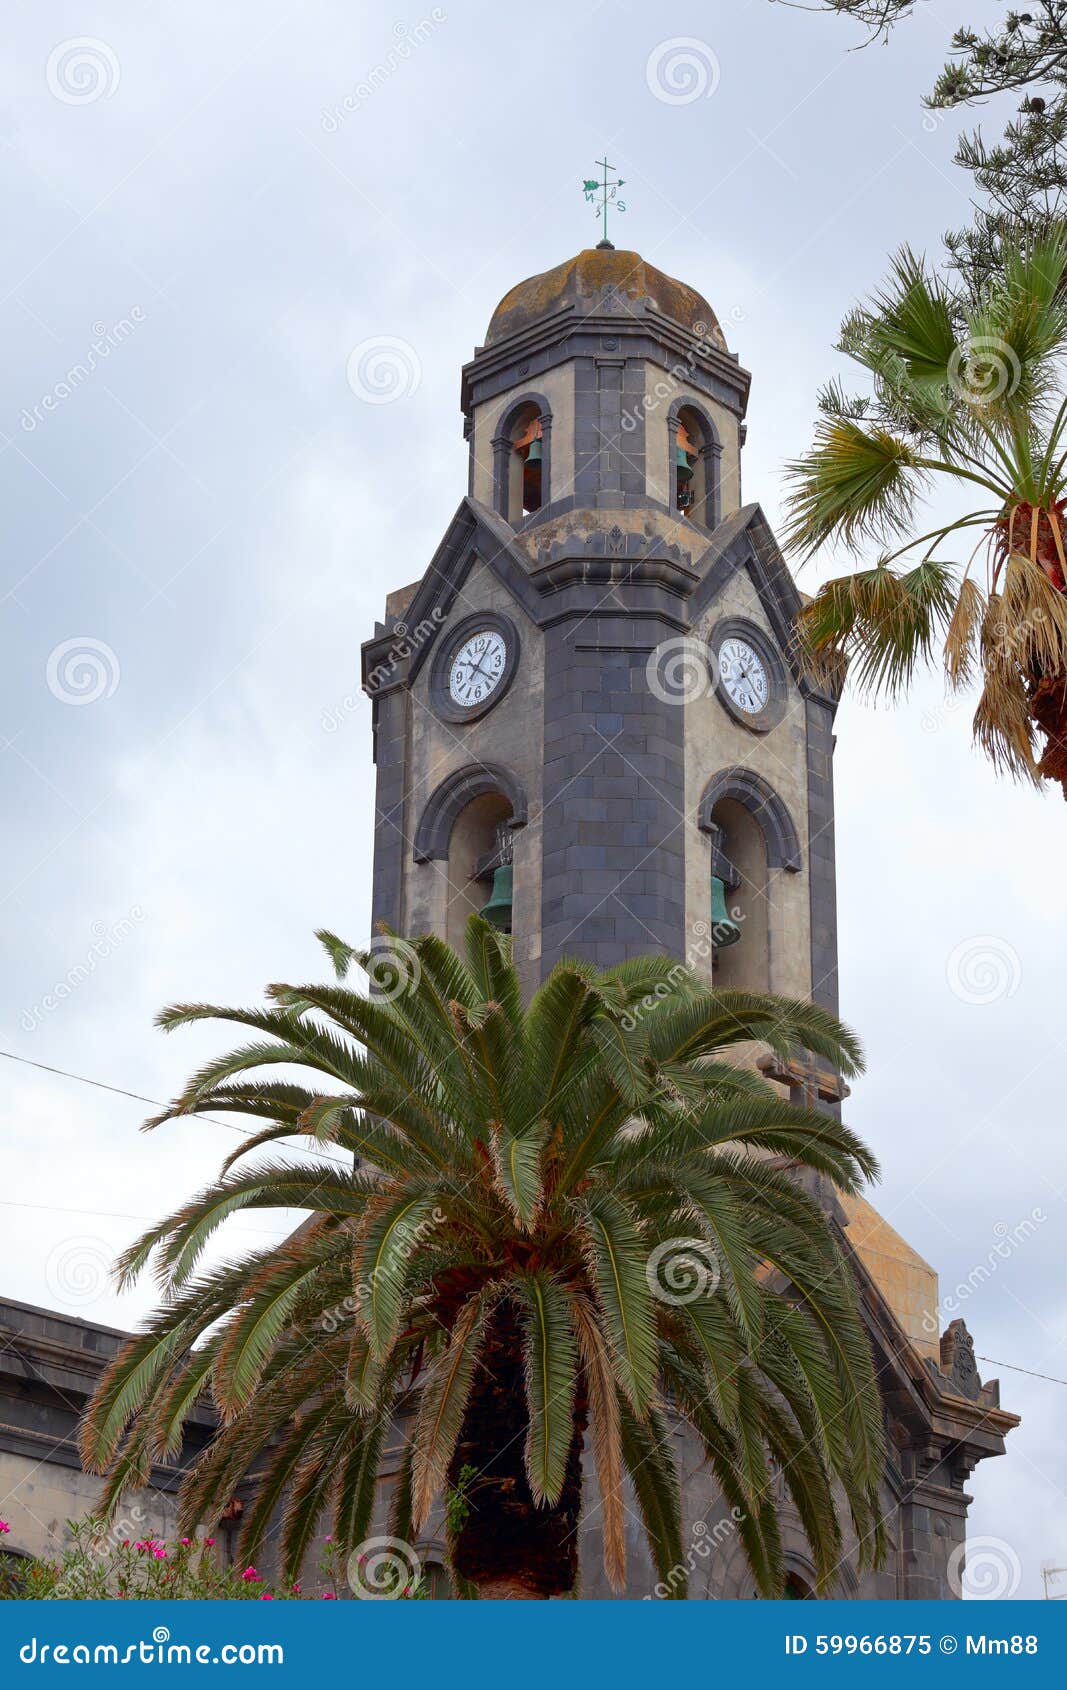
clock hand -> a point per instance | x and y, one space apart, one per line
480 670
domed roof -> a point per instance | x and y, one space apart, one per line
606 281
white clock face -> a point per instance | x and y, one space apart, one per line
744 676
477 668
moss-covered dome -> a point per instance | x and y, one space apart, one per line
606 281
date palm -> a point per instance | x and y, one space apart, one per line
969 401
565 1225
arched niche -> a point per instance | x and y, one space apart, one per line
473 854
798 1589
694 463
762 802
456 791
739 858
752 836
467 825
522 458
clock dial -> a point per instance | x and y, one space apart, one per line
477 667
743 674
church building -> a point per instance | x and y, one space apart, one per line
589 720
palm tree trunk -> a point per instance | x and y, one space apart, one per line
1048 707
505 1545
506 1590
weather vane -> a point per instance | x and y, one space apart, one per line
607 191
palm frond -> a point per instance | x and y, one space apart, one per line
857 484
551 1365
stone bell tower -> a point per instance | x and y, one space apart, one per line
589 720
595 671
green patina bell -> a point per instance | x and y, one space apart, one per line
685 468
533 456
724 929
497 911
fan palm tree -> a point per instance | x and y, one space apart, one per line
969 400
565 1224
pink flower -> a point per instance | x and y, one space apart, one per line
210 1542
4 1527
125 1543
250 1576
328 1538
266 1597
296 1590
329 1596
186 1541
160 1554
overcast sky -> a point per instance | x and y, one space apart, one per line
199 533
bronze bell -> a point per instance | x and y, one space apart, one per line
497 912
724 929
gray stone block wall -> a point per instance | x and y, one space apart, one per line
822 864
389 804
613 876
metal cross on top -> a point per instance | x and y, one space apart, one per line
607 191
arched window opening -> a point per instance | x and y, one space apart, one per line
797 1589
694 467
436 1583
688 468
526 463
738 897
479 865
522 472
529 451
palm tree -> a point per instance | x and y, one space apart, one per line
967 399
565 1225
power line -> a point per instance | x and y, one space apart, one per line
139 1097
103 1214
229 1126
1051 1377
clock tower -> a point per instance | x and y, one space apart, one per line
593 678
589 720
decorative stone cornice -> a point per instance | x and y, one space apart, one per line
568 334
